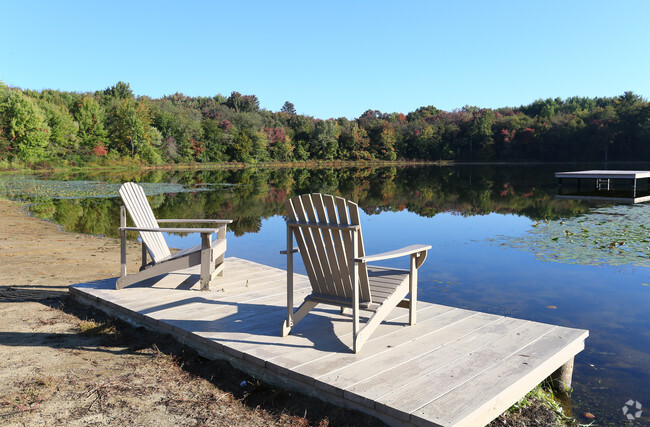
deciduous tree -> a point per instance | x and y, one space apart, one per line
24 125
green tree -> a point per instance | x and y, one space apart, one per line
24 125
353 141
289 108
382 140
279 143
324 140
215 140
130 126
422 113
243 103
63 130
91 119
243 145
175 119
478 128
121 90
260 151
631 111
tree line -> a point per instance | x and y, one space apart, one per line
113 125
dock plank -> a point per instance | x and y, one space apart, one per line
439 354
451 374
305 359
461 409
341 369
454 367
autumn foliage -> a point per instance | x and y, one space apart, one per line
49 125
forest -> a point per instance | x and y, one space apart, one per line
113 126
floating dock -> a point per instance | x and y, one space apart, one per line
454 367
606 185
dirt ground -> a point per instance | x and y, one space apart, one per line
65 363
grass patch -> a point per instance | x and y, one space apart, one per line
29 396
92 328
540 407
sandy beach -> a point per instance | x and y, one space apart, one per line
64 363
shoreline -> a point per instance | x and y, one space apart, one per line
312 164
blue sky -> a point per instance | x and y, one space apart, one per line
335 58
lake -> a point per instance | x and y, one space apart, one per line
501 244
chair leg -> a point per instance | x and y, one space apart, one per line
297 316
413 291
122 253
217 263
144 256
379 316
357 338
221 235
217 271
206 265
118 284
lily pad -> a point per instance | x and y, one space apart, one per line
616 235
28 187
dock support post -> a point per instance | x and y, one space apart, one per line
561 378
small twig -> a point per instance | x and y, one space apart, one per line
93 402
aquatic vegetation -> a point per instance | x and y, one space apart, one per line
617 235
30 188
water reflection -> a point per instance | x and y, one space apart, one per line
251 195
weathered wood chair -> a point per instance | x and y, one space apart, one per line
209 254
327 231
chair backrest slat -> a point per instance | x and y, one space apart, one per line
328 240
363 270
311 252
292 206
142 216
319 244
339 245
327 253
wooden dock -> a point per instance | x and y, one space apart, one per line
602 187
455 367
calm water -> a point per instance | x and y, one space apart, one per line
478 219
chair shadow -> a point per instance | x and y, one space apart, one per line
35 293
240 322
60 340
56 297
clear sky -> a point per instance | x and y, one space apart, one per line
333 58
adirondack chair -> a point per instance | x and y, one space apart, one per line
209 254
327 231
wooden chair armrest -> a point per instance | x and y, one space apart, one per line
197 221
408 250
171 230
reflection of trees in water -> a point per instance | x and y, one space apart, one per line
252 194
